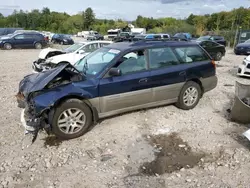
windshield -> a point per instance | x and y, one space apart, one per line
73 47
93 63
203 38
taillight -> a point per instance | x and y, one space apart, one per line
213 62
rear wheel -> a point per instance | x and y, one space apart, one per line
218 56
62 43
38 45
7 46
189 96
71 119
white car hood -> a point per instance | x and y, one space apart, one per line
72 58
44 52
248 58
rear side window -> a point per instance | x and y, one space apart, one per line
191 54
162 57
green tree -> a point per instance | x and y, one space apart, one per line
190 19
89 18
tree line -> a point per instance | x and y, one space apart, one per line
47 20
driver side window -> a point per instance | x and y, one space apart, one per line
133 62
19 37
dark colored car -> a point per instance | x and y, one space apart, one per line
95 36
216 50
242 48
23 40
114 79
62 39
214 38
123 36
183 36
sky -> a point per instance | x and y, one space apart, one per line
127 9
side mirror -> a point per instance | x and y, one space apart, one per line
114 72
81 52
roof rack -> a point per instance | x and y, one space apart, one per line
163 40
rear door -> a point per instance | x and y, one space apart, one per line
30 39
167 75
196 62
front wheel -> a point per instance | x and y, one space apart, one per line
71 119
7 46
189 96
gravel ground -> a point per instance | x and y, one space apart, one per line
156 148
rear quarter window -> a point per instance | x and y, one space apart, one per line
191 54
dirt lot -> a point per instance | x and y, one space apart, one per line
156 148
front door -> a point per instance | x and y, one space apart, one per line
129 90
20 41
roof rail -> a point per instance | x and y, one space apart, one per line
155 39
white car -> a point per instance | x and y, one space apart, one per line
50 57
244 68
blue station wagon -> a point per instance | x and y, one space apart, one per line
117 78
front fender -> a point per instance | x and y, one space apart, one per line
46 100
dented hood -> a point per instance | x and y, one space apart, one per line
43 53
38 81
248 58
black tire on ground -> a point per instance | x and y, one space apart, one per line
7 46
62 43
53 41
218 56
71 104
189 86
38 45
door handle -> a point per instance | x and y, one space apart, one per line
183 73
143 80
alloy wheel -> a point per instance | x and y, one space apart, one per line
71 121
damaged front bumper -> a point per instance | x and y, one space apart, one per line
30 125
41 65
30 122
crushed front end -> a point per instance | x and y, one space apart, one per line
30 119
39 91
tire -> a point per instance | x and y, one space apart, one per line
62 43
53 41
73 105
218 56
38 45
7 46
187 88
